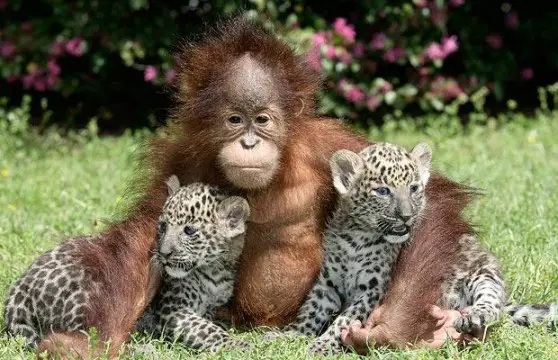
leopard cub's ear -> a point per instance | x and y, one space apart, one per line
173 184
232 215
346 169
422 154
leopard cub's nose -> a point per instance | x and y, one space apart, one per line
166 250
405 217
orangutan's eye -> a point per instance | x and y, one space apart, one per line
262 119
235 119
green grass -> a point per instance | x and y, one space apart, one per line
52 188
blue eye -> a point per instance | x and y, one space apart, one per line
383 191
188 230
413 188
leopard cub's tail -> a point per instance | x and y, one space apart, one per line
527 315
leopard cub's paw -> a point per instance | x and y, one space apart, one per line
472 322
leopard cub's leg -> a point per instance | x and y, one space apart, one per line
330 340
320 305
195 331
484 290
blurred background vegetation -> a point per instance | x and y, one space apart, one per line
69 62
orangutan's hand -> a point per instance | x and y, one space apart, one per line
444 329
361 338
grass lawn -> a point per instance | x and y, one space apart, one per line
51 188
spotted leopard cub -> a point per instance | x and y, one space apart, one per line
477 288
381 197
200 237
52 294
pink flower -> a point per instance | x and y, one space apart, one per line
354 95
51 80
343 84
452 90
512 20
393 54
447 88
4 4
53 67
170 75
75 47
435 52
423 71
57 48
150 73
29 79
457 3
527 73
319 39
345 57
314 59
449 45
7 49
331 53
421 3
358 49
494 40
473 81
40 84
378 41
439 16
372 102
346 31
385 86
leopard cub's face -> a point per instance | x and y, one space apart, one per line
382 187
199 225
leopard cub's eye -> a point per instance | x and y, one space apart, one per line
413 189
188 230
162 228
384 191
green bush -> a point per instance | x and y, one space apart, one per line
110 60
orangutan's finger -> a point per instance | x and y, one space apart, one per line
356 338
439 315
345 330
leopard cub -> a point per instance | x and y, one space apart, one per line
200 237
381 197
52 295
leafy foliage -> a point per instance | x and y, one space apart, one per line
111 61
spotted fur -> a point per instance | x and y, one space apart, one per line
527 315
200 237
381 197
476 287
51 295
